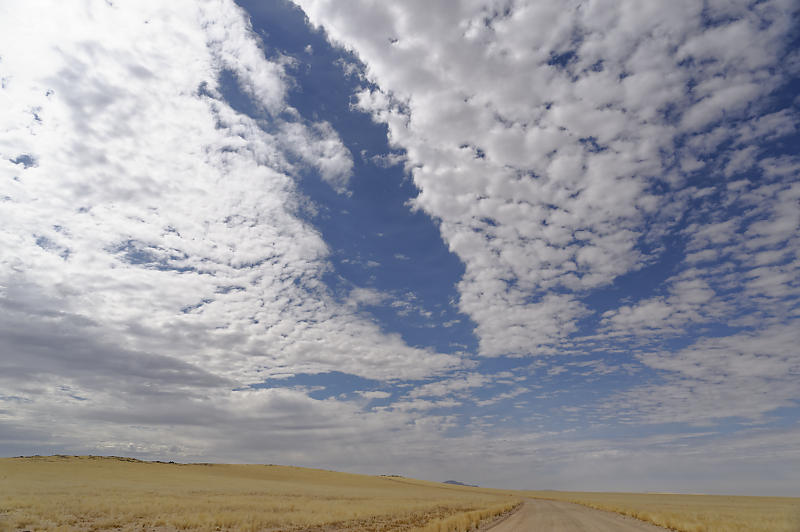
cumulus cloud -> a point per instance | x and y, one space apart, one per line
544 162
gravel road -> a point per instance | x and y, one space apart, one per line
553 516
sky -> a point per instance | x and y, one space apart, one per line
520 244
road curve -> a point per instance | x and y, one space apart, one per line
555 516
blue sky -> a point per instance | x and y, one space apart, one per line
511 243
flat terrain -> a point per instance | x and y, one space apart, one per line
108 493
556 516
96 493
693 513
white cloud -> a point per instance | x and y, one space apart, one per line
374 394
746 375
691 301
452 385
503 396
557 146
154 254
155 263
541 172
321 148
387 160
366 296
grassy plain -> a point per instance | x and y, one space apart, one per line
94 493
693 513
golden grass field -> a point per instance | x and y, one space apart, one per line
94 493
693 513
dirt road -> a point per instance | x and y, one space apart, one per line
553 516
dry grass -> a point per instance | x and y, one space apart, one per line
469 520
93 493
694 513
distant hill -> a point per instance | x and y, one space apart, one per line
457 483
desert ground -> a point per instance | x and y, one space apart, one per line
112 493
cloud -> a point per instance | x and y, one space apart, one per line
366 296
387 160
449 386
155 262
542 165
375 394
615 179
159 284
321 148
502 396
690 302
746 375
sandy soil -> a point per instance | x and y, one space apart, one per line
536 514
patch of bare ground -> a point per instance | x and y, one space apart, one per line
556 516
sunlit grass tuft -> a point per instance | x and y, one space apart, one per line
469 520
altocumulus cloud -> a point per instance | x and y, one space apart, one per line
614 177
154 250
563 148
